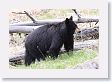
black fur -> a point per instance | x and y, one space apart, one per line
49 39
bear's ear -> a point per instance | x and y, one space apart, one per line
71 18
67 21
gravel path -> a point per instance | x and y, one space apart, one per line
92 64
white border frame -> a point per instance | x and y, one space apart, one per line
102 72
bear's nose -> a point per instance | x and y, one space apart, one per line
79 31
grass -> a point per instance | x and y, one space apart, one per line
64 61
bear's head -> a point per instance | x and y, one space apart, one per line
71 26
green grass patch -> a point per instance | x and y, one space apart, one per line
63 61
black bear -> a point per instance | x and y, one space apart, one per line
49 39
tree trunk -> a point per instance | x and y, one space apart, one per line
88 34
28 27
